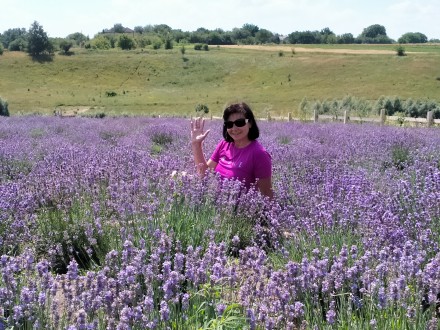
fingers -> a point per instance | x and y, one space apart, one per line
198 124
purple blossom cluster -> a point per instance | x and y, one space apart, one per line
98 231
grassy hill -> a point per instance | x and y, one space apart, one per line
270 78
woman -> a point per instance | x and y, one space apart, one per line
239 156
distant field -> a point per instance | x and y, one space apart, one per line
271 78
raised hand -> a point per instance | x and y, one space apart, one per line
197 130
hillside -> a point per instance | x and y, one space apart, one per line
271 78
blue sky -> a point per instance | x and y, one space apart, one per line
60 17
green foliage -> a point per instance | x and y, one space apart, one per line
18 45
100 42
202 108
126 43
168 44
79 38
374 34
413 38
400 50
65 45
4 111
110 93
1 49
182 50
13 34
157 44
400 156
38 41
201 47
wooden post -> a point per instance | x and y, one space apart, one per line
382 116
315 116
289 116
345 116
430 118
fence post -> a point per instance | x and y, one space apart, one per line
345 116
315 115
289 116
430 118
382 116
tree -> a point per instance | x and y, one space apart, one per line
38 41
346 38
263 36
252 28
374 34
138 29
12 34
79 38
118 28
374 31
413 38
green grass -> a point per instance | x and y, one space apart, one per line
154 82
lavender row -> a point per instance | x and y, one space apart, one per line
105 225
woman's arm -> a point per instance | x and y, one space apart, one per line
198 135
265 187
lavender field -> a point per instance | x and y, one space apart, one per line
104 225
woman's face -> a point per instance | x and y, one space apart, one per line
238 134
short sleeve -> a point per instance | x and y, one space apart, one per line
216 154
263 165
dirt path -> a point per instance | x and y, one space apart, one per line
311 50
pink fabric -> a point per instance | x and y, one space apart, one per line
245 164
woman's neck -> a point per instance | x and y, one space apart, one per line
242 143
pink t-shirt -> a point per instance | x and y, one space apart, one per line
245 164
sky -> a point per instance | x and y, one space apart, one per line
60 18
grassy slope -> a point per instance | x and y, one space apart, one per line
154 82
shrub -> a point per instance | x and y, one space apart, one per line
110 93
126 43
168 43
18 45
100 42
157 44
400 50
4 108
201 47
65 45
202 108
1 48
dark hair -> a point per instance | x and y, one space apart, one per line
244 109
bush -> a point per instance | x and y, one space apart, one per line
4 108
18 45
65 45
400 50
202 108
157 44
100 42
168 43
126 43
1 48
198 47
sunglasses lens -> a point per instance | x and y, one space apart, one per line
239 123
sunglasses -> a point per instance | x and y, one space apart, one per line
238 123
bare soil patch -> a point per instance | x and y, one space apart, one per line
312 50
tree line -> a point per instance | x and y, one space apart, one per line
36 41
